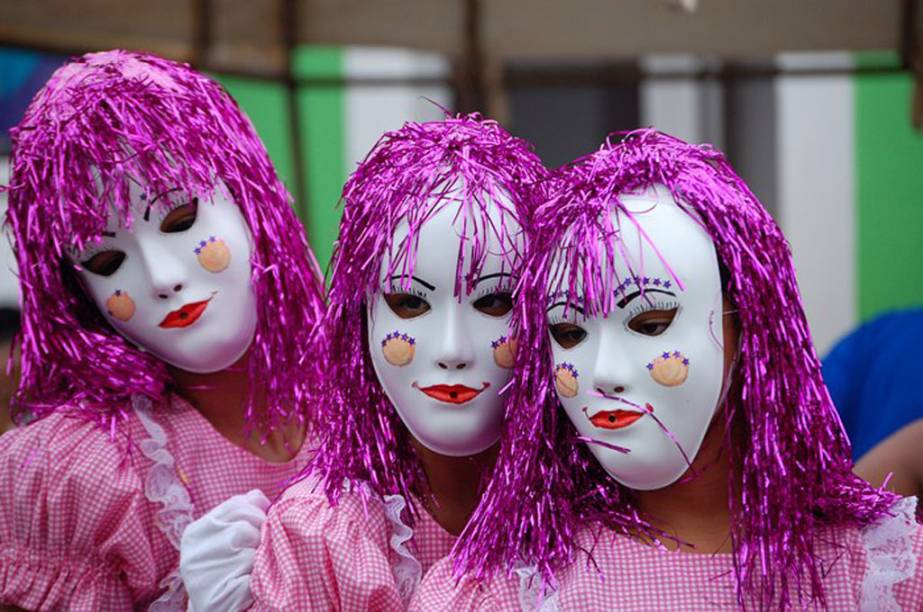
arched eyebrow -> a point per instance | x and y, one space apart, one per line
489 276
419 280
625 300
567 304
147 211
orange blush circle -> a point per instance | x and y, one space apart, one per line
505 353
669 371
214 255
120 306
398 349
565 381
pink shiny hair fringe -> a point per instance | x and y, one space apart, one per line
794 465
101 121
409 175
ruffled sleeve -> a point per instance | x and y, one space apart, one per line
76 531
316 557
894 556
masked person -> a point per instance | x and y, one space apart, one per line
687 455
168 298
418 353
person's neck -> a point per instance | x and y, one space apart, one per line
221 397
454 484
694 509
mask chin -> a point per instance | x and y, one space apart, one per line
220 357
453 444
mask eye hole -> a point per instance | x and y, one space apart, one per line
180 218
406 305
495 304
105 263
652 322
567 335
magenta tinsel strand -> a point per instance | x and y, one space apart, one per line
131 116
793 469
410 174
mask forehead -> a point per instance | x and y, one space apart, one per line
661 239
484 242
145 208
654 244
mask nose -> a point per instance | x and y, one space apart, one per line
603 389
455 351
166 273
612 371
176 289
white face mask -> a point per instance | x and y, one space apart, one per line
178 283
654 357
441 360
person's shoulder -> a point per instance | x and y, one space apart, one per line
887 332
66 445
72 499
306 501
346 548
442 589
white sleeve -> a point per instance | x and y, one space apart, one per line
217 550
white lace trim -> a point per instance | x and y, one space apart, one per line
407 571
163 486
534 594
173 598
889 556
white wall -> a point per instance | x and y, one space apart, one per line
9 285
372 109
685 106
816 189
792 138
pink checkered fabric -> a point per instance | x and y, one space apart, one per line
626 575
316 557
76 530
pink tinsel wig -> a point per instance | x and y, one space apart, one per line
410 175
793 467
101 121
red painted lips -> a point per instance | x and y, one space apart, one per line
452 394
615 419
185 315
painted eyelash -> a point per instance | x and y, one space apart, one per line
174 203
572 317
555 319
499 288
89 251
412 291
647 307
574 314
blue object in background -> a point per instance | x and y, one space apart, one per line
875 377
23 73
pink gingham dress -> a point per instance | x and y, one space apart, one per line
357 555
83 526
877 569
